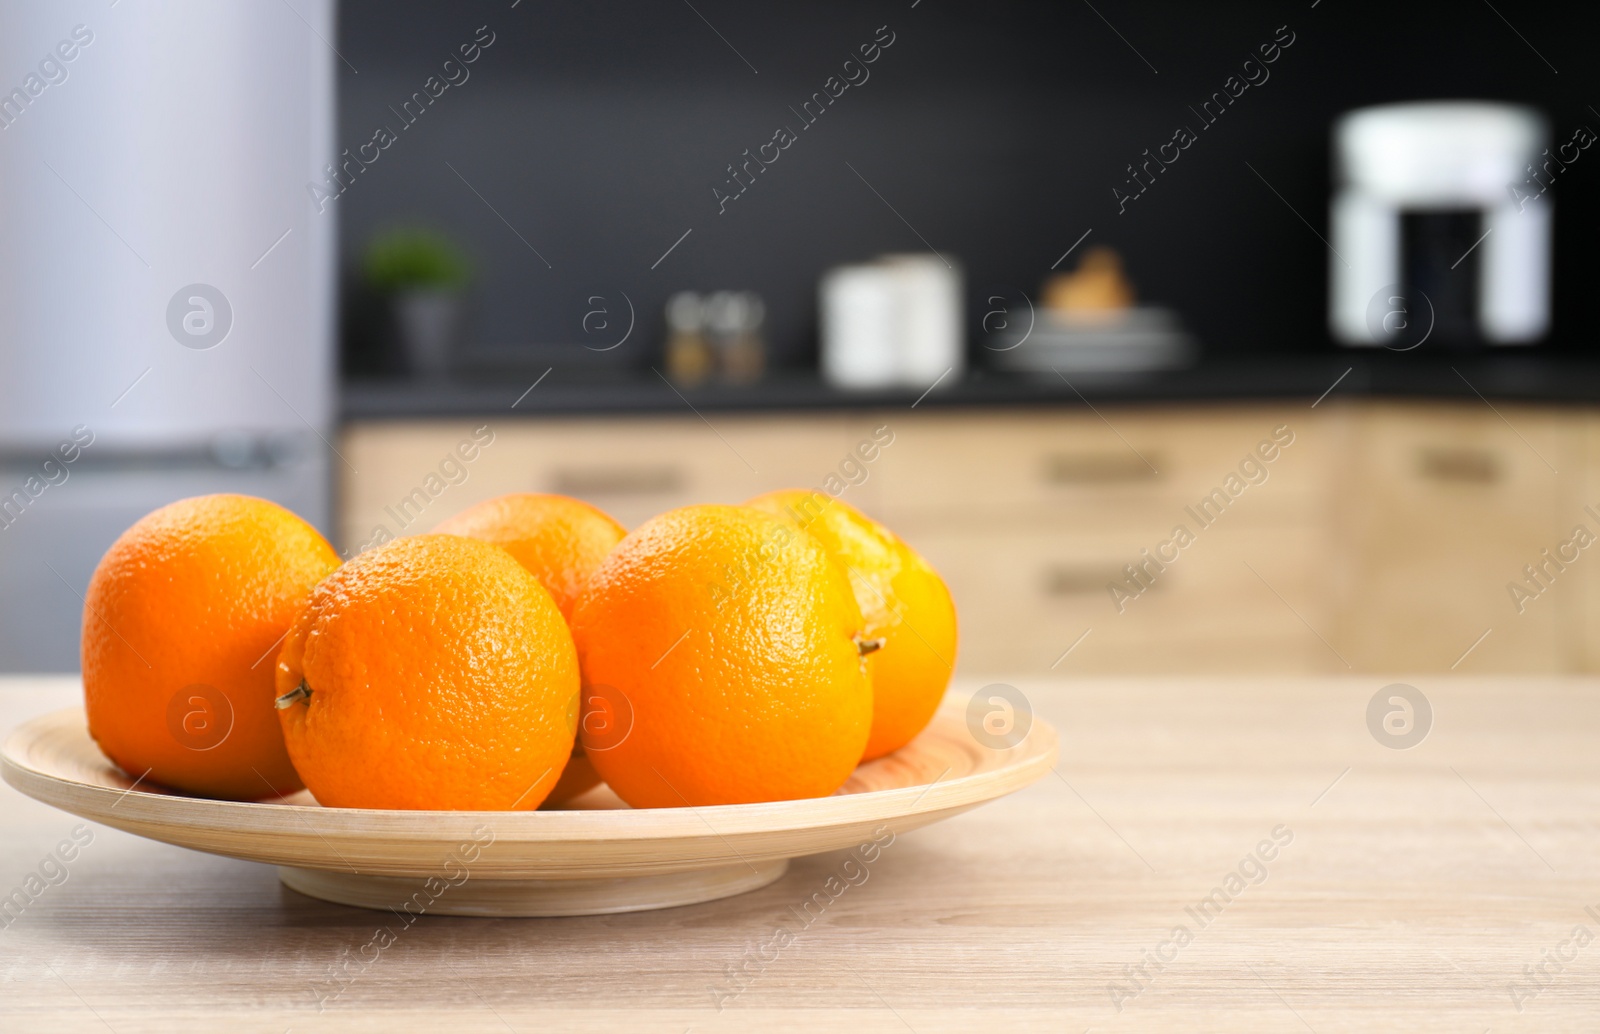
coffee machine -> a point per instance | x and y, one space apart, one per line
1441 228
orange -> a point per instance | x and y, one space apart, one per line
579 777
431 672
721 664
904 601
560 541
181 620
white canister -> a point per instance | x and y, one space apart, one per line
860 326
931 340
895 322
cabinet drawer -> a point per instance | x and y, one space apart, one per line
1132 462
1586 617
412 474
1024 596
1442 507
1511 463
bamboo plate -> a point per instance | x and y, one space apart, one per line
591 857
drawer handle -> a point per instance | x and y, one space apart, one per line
617 481
1459 466
1097 468
1082 579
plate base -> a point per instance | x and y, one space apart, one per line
507 898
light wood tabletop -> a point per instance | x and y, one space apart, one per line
1211 854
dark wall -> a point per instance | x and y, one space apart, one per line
997 131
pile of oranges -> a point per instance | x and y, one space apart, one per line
520 653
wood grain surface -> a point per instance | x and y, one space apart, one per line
1326 882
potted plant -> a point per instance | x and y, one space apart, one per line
421 276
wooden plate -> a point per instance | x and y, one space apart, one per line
595 856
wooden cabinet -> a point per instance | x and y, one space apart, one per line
1586 608
1150 529
1438 511
633 468
1036 600
1120 465
1369 536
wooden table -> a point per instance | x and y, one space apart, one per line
1406 889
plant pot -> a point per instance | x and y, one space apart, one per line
427 327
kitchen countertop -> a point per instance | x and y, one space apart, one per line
1397 890
1510 376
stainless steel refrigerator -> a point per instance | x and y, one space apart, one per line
166 281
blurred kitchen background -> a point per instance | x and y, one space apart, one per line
1037 284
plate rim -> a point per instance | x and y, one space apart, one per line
1037 752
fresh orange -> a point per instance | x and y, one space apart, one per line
431 672
579 777
905 604
560 541
721 663
180 623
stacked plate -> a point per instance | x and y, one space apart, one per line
1138 339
